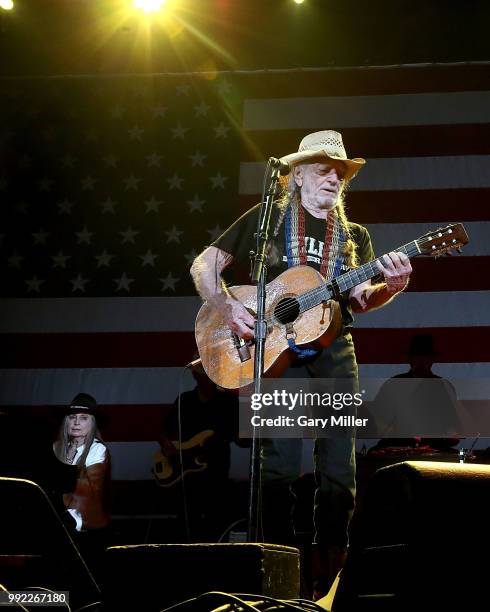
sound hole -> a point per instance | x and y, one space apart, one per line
287 310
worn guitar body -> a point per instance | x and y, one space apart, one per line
299 306
232 366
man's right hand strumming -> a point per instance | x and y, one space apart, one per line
237 317
206 272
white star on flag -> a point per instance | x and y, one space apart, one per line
45 184
154 160
221 131
108 206
135 133
224 86
110 161
67 161
169 282
40 236
182 89
34 284
21 207
218 180
175 182
197 159
128 235
65 207
84 237
201 110
123 282
196 203
88 183
15 260
104 259
189 257
59 261
179 131
78 283
215 232
152 205
148 258
91 135
131 182
173 235
159 111
117 112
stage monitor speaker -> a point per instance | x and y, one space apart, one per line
156 576
423 533
35 547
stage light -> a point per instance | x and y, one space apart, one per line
7 5
149 6
298 1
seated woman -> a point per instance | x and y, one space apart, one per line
79 443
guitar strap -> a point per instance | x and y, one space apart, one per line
332 256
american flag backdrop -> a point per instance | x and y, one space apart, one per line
111 186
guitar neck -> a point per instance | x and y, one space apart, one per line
345 282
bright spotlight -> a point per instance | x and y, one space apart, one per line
7 5
149 6
298 1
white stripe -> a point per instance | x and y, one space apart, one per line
119 386
447 370
367 111
91 315
108 385
398 173
432 309
425 309
388 236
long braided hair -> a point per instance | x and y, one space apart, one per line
291 196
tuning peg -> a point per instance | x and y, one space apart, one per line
449 252
459 250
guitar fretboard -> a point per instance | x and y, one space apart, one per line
350 279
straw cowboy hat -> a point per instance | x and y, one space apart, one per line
321 146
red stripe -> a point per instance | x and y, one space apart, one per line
450 274
100 350
420 206
453 344
375 142
457 344
367 81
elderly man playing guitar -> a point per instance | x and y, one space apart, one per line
309 228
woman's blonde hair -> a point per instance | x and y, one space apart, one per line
291 196
61 444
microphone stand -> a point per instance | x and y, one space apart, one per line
259 277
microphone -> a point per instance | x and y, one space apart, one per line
283 167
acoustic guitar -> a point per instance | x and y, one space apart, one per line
301 306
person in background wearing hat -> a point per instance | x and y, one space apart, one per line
79 443
417 410
309 227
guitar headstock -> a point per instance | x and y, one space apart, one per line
443 240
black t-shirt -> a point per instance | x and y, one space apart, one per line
238 240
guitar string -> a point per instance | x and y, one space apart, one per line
317 291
